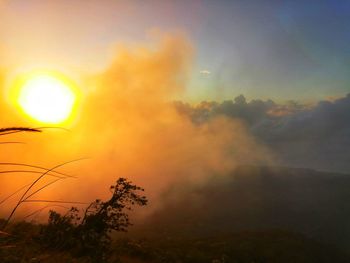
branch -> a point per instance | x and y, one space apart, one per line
10 130
29 171
41 188
38 167
41 209
30 187
54 201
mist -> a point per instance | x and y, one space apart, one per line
128 126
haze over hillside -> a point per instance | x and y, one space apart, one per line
314 203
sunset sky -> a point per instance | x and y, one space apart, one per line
164 92
283 50
230 119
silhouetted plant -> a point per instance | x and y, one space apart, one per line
89 235
26 195
86 236
10 130
42 173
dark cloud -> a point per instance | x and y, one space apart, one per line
315 136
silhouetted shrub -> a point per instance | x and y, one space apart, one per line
89 235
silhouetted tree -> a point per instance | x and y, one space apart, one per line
89 235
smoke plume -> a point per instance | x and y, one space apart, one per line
129 127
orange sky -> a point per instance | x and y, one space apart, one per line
130 60
127 127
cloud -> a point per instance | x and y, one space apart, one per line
313 136
205 72
130 128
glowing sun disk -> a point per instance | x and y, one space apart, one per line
46 99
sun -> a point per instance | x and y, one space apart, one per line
46 98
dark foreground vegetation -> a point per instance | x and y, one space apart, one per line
259 214
78 234
241 247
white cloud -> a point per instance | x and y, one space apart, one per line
205 72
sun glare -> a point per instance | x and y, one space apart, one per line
46 99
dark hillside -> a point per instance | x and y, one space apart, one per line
313 203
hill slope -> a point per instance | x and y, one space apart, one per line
313 203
